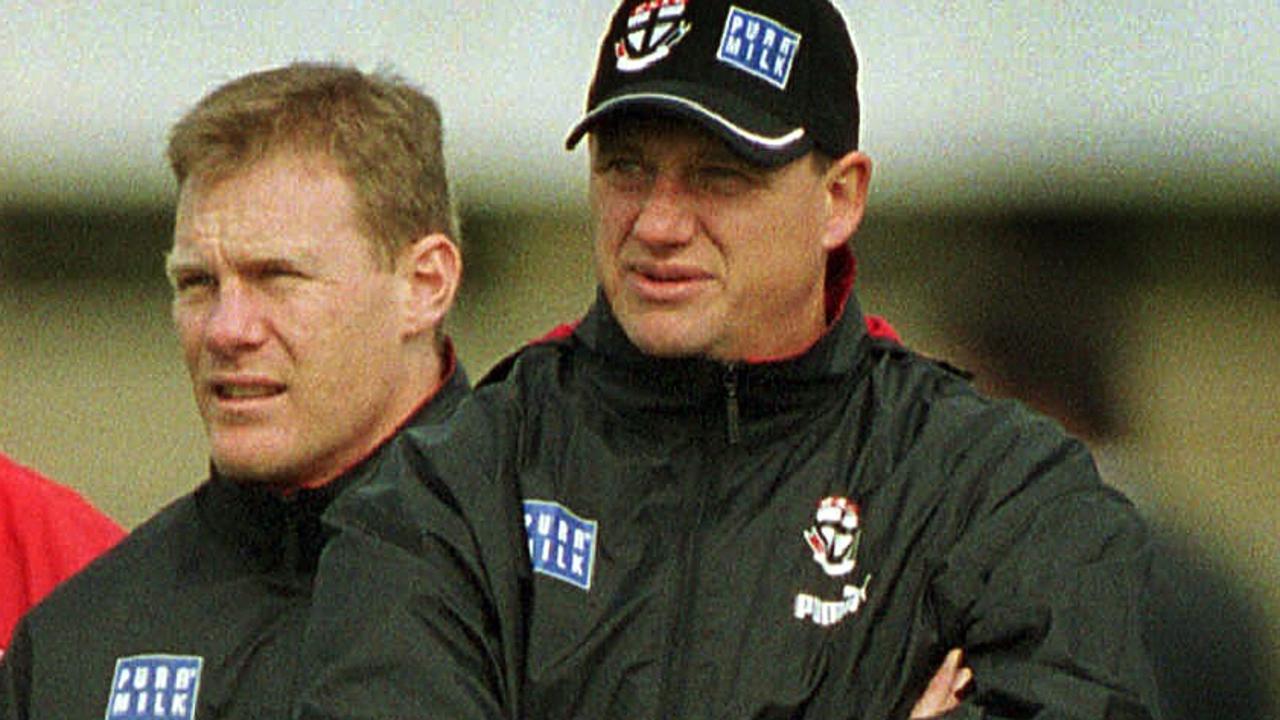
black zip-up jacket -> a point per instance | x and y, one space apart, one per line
198 614
803 538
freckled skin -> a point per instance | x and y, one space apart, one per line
291 331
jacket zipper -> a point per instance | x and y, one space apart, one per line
731 403
675 681
671 699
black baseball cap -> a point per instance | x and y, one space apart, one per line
773 78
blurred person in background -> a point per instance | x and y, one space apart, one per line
734 499
313 264
48 532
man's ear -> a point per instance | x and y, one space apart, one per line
431 269
846 182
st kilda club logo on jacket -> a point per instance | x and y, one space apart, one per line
652 29
833 540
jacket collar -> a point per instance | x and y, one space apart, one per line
274 531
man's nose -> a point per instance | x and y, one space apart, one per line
235 321
667 215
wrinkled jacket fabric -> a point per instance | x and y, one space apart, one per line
797 538
220 579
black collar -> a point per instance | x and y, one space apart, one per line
274 531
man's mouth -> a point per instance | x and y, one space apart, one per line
240 391
669 273
666 283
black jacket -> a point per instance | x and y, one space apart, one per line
803 538
199 613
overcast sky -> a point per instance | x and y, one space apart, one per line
1036 100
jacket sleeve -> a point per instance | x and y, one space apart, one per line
1045 587
15 677
416 604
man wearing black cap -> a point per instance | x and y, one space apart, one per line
738 501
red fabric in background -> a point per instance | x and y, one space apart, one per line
47 533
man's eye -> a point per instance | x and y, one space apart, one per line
724 179
280 272
624 166
624 173
192 281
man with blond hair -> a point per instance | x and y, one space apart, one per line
313 263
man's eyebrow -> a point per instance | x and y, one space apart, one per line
174 261
719 153
614 143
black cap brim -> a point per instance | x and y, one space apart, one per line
759 138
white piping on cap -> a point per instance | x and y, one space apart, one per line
778 142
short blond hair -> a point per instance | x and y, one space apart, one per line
384 134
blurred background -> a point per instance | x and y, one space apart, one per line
1080 202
